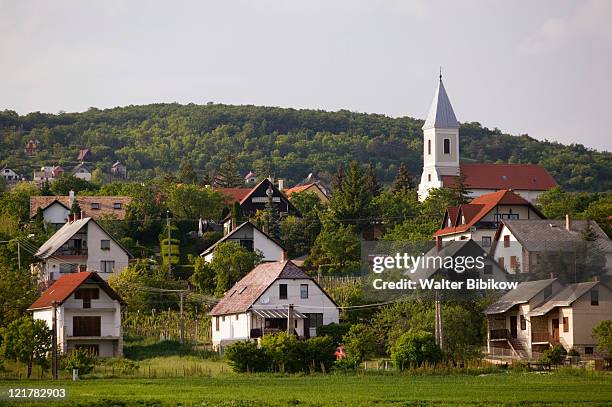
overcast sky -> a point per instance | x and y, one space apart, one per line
537 67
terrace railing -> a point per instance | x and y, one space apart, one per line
496 334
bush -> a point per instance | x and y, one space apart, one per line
123 366
82 359
246 357
359 343
335 331
414 348
285 352
553 355
320 351
573 352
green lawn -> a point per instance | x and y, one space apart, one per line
516 389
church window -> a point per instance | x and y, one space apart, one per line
447 146
429 177
429 147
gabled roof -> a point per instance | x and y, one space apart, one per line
83 153
247 291
532 177
67 284
524 292
441 114
479 208
79 167
543 234
234 194
229 235
106 203
64 234
564 298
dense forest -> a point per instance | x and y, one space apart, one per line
288 143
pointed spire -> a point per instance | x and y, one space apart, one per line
441 114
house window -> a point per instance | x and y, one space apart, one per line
513 262
282 291
588 350
523 323
428 147
446 146
107 266
117 205
507 241
217 324
486 241
547 291
500 260
86 326
236 317
247 244
95 205
594 297
105 244
68 268
303 291
87 294
314 320
223 318
565 324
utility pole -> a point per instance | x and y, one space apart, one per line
54 343
182 320
169 246
438 323
19 255
290 319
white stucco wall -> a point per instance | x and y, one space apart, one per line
56 214
95 254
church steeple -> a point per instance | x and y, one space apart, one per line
441 114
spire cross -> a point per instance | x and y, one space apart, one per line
440 74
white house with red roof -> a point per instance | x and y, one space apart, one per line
270 298
87 313
441 160
479 219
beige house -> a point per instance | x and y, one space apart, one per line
538 314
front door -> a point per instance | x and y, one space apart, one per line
513 327
555 329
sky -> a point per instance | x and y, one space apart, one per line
542 68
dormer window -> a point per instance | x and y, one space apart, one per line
117 205
448 222
447 146
462 220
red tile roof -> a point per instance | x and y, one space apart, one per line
234 194
63 288
106 205
503 176
478 209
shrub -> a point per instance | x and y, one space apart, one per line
285 352
246 357
335 331
359 343
320 351
82 359
123 366
553 355
414 348
573 352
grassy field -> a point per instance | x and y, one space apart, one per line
507 389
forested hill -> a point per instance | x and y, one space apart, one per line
155 139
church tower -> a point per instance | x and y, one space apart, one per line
440 143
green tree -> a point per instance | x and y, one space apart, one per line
231 262
352 202
414 348
336 249
359 343
460 190
27 341
203 276
403 181
66 183
372 181
17 291
193 202
228 175
602 333
187 174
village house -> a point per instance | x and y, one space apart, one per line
118 170
519 244
250 178
480 219
253 199
55 209
31 147
270 298
252 238
87 313
9 175
441 163
312 188
48 174
538 314
81 171
81 244
84 155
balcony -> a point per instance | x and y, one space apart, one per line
482 225
498 334
543 337
71 252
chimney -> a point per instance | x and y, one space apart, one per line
82 268
552 275
281 184
71 198
284 256
568 223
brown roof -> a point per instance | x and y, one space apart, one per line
67 284
503 176
245 292
234 194
107 205
479 208
298 189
